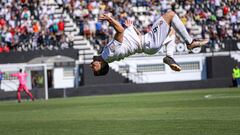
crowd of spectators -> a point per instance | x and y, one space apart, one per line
219 19
29 25
86 12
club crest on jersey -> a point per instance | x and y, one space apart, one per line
161 22
112 47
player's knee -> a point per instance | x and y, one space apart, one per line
169 16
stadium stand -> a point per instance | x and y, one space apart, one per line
30 25
217 19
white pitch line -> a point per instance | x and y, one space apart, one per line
207 96
211 96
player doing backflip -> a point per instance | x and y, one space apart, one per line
129 41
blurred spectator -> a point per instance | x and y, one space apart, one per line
63 42
86 29
236 75
213 37
9 39
92 27
61 25
70 39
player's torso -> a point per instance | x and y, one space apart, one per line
22 78
117 51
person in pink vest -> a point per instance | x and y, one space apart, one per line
22 85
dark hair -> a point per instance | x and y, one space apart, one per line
103 71
20 70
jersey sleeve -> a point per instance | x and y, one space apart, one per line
109 51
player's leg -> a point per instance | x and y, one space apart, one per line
238 82
19 93
28 92
172 19
169 43
170 47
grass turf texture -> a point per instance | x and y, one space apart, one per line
198 112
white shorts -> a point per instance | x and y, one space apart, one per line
153 40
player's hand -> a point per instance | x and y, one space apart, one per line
104 17
128 23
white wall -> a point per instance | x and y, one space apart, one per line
59 81
163 76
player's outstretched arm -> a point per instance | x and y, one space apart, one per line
14 74
117 26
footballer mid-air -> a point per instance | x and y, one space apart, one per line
129 41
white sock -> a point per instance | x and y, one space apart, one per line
170 45
181 29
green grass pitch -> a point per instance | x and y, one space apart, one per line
197 112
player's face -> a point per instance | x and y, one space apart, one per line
96 66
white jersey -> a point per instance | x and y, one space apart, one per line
150 43
115 50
